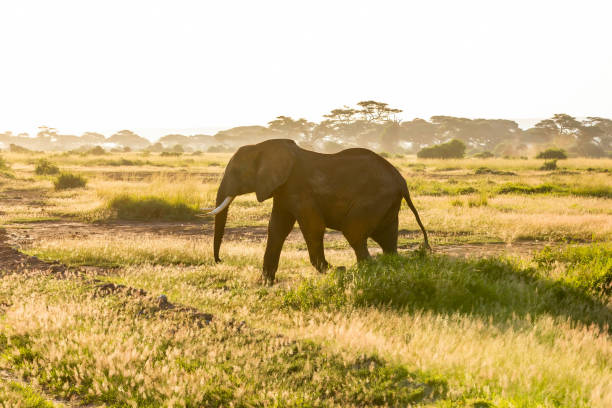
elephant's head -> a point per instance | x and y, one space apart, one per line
259 168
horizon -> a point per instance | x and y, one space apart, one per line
154 134
108 66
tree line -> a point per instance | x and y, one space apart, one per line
369 124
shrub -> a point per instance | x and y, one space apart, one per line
170 154
455 149
552 154
13 148
484 155
549 165
146 208
97 151
384 154
3 164
45 167
68 180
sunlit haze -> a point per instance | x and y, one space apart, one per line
188 65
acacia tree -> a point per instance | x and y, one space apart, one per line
300 129
361 126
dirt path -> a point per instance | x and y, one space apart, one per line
25 235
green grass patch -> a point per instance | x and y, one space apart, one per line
147 208
585 267
13 394
494 288
437 188
595 190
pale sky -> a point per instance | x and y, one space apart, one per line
109 65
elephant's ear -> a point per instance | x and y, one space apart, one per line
275 163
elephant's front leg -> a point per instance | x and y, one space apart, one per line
313 229
281 224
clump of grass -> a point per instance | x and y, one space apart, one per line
146 208
492 287
457 202
478 201
549 165
69 180
586 267
45 167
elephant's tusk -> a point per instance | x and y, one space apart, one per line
224 204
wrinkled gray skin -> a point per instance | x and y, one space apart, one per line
355 191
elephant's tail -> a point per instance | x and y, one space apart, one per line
406 195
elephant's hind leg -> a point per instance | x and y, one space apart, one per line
386 237
281 224
357 237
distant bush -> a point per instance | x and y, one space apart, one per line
455 149
45 167
549 165
170 154
484 155
3 164
486 170
13 148
68 180
384 154
197 153
219 149
97 151
146 208
552 154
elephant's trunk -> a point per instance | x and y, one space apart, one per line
220 219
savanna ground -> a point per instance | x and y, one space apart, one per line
109 295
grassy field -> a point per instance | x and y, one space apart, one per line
512 309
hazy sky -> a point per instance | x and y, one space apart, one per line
108 65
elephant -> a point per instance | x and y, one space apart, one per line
355 191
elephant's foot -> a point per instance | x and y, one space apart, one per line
268 278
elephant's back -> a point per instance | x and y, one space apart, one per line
359 170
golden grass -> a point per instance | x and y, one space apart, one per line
108 348
545 357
